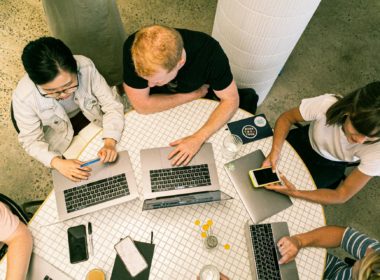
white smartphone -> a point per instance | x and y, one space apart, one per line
261 177
131 257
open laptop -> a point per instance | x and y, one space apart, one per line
39 269
263 253
109 184
165 185
259 202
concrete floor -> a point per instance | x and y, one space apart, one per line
338 52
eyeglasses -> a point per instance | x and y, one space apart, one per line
58 93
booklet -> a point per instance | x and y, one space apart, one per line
251 129
120 272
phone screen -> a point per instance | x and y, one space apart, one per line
77 243
265 176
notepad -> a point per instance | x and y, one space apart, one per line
251 129
120 272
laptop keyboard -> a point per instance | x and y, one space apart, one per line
180 178
264 249
96 192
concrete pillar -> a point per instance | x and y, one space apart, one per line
258 37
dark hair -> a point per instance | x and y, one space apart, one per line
362 107
44 57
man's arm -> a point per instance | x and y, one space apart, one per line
20 246
187 147
324 237
355 181
144 103
281 130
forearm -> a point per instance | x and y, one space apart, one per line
18 257
324 237
161 102
113 121
221 115
281 130
321 196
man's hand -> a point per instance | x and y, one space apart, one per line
185 149
108 153
287 188
289 247
71 169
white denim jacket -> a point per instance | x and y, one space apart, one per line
45 128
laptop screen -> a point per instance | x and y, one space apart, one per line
184 199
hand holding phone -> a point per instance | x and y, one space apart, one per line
263 176
77 244
131 256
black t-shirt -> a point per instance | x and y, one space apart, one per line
206 63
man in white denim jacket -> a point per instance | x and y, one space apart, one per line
58 87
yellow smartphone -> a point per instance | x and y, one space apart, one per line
263 176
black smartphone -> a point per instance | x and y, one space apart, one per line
77 244
263 176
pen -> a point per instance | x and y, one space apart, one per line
90 162
151 237
91 244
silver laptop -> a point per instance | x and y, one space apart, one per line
259 202
165 185
39 269
109 184
263 253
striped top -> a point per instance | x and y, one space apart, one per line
354 243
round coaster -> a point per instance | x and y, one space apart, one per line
260 121
249 131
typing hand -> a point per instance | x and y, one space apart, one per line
108 153
185 149
289 247
287 188
71 169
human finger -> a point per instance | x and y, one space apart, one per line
102 155
107 156
173 153
266 162
85 168
283 260
181 157
188 159
281 241
83 175
271 187
223 277
113 156
285 180
176 142
72 178
78 162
